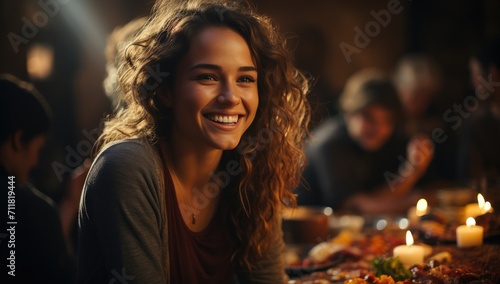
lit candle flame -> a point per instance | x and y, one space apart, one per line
470 222
421 207
409 238
480 200
487 207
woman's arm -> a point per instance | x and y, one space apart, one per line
121 220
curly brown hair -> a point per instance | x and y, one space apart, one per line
270 152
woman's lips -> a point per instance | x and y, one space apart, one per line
223 119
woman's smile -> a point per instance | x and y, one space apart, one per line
215 96
222 118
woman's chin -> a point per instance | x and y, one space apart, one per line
226 145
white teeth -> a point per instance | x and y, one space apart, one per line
226 119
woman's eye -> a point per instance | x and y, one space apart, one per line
206 77
246 79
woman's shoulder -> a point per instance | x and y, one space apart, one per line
139 149
123 168
128 156
123 183
128 145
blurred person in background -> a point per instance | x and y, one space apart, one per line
479 148
41 254
117 42
349 156
418 81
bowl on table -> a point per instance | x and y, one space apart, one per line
306 224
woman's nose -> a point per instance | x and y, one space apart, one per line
229 95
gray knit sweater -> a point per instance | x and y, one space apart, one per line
123 224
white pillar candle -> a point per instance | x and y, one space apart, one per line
409 254
469 235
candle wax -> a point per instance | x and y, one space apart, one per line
409 255
469 236
473 210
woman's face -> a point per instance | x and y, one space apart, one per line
371 127
215 96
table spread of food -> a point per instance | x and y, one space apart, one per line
432 250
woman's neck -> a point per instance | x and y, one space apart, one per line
191 168
192 164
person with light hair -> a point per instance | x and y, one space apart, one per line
417 79
117 43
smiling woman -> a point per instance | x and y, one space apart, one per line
190 179
214 97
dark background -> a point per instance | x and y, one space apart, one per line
75 35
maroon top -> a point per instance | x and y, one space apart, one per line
197 257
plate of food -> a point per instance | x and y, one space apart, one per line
321 257
346 247
363 258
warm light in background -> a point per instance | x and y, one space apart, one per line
403 223
40 60
421 207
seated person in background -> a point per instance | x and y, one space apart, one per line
40 250
418 81
479 146
117 42
356 161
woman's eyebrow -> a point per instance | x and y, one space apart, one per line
219 68
248 68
